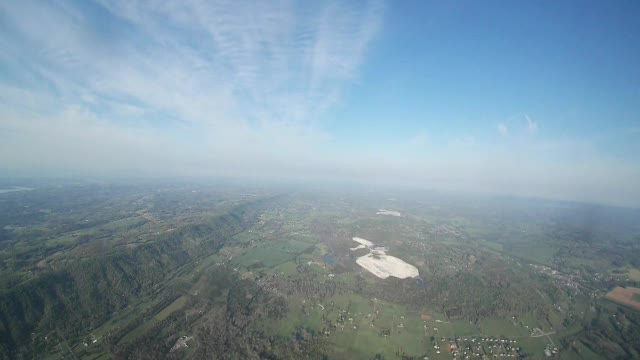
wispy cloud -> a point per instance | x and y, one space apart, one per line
276 61
517 124
217 77
200 87
503 129
418 140
532 126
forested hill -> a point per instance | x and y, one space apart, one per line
84 293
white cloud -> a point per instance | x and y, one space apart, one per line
213 77
503 129
418 140
514 125
231 88
221 63
532 126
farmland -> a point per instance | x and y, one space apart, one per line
627 296
139 270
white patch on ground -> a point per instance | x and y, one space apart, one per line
364 242
387 212
382 265
181 343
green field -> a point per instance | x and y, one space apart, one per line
498 328
267 255
634 274
243 273
176 305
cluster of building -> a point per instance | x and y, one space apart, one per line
550 350
567 280
479 347
89 340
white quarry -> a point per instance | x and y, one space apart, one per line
382 265
388 212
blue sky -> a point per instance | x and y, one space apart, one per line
533 98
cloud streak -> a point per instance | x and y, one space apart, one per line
211 78
201 88
503 129
229 65
532 126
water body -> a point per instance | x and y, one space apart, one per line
328 259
